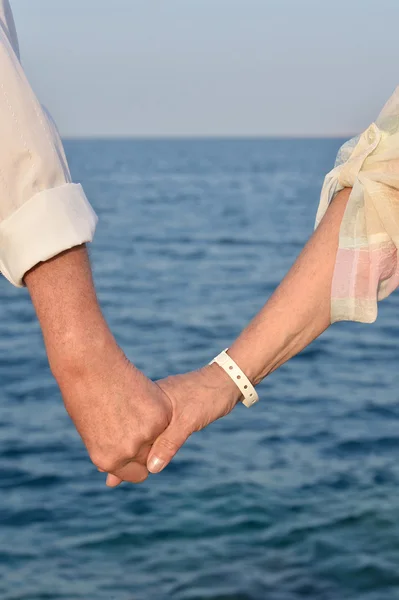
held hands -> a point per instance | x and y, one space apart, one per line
132 426
118 412
129 424
197 399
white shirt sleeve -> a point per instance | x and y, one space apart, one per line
42 212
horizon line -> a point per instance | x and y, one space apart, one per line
160 137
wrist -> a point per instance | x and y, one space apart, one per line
222 383
75 353
245 360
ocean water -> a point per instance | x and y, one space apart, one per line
295 498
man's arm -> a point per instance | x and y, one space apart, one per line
296 314
45 221
74 329
116 409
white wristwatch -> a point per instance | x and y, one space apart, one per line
239 378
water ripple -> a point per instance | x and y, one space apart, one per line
296 498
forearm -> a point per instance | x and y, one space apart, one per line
65 301
117 411
299 310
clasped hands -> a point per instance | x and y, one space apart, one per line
132 426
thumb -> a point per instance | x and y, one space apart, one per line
165 447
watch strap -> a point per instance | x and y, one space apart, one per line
240 379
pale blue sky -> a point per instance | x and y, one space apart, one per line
210 67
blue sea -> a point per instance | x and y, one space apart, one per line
297 497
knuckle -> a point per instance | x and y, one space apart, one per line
150 427
169 445
106 462
147 433
132 450
110 458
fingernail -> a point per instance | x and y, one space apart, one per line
112 481
155 464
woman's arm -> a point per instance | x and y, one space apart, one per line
295 315
299 310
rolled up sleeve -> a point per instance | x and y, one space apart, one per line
367 261
42 212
